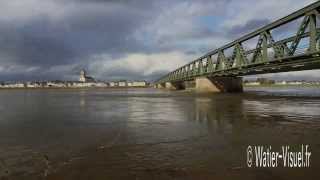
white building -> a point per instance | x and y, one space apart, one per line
84 77
281 83
33 85
295 83
122 83
112 84
14 85
83 84
101 84
252 83
56 84
139 83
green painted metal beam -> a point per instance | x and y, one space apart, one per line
239 63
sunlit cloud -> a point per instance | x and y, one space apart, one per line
54 39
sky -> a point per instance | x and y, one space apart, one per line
119 39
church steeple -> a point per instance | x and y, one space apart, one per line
84 77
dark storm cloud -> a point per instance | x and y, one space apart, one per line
27 46
92 27
54 39
95 33
77 35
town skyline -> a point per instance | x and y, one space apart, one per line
84 81
81 78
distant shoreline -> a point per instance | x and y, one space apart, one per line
283 85
35 88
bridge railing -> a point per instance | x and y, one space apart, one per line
304 42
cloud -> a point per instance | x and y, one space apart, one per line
312 75
239 13
184 26
137 65
253 24
54 39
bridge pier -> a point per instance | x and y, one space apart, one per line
219 84
175 85
160 85
207 84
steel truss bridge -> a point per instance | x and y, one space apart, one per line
300 51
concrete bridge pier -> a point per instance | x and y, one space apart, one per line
207 84
160 85
175 85
218 84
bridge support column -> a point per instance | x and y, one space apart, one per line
175 85
219 84
160 86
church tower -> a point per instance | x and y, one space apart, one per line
82 76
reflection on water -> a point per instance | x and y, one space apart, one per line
152 134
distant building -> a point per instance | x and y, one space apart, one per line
281 83
33 85
14 85
294 83
112 84
122 83
101 84
252 83
84 77
83 84
129 84
56 84
139 83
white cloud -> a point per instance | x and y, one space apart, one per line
18 69
142 64
297 75
240 12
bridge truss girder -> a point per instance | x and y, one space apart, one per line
285 57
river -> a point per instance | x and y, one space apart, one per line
154 134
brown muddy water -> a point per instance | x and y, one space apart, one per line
154 134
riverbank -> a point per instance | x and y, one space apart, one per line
283 86
72 88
